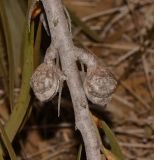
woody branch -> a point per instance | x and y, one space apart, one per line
98 85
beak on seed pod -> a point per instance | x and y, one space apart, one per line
45 81
99 84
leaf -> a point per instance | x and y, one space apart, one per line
115 148
3 68
7 143
79 152
8 38
107 154
22 104
1 154
15 17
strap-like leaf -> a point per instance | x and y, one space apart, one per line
21 107
1 155
7 143
79 152
115 148
3 67
7 33
106 153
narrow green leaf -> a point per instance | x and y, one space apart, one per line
1 155
93 35
79 152
7 143
4 77
107 154
3 67
8 38
15 18
115 148
21 107
29 3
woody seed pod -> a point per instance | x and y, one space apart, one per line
99 84
45 81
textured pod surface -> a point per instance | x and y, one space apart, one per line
45 81
99 84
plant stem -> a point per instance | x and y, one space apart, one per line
62 40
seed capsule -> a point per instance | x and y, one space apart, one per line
99 84
45 81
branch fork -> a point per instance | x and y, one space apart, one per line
98 85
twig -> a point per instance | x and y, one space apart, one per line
136 132
56 153
146 70
140 99
96 15
127 55
137 145
51 149
123 101
47 77
50 126
62 40
116 19
102 13
123 11
92 34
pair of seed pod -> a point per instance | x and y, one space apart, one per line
99 84
46 80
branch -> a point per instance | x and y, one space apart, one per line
98 85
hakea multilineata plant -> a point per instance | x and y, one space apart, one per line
48 78
98 84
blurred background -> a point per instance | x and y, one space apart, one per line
121 32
